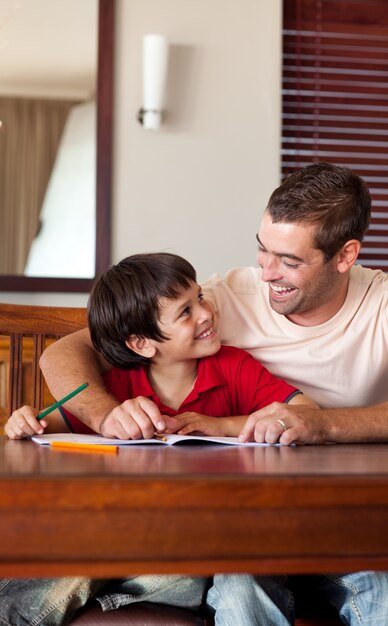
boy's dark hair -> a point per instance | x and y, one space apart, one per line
125 301
332 197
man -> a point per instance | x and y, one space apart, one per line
313 318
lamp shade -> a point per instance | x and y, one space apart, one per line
155 57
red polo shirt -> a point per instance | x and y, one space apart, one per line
228 383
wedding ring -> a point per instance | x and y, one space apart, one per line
282 424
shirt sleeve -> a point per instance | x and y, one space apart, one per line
254 386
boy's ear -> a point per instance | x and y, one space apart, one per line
347 255
141 345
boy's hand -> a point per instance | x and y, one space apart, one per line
23 423
137 418
195 423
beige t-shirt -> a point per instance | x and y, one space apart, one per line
343 362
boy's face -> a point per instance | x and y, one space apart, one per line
189 323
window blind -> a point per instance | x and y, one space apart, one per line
335 98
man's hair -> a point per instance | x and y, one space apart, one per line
333 198
125 301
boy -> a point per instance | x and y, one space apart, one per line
147 316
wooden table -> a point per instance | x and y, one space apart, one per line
192 509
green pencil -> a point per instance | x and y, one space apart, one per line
60 402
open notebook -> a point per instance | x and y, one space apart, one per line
167 440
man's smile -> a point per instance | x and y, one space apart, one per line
279 291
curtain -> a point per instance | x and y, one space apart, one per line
335 98
29 136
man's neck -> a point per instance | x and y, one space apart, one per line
320 315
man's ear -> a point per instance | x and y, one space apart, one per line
347 256
141 345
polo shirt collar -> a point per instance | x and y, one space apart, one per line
209 376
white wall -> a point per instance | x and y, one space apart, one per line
198 186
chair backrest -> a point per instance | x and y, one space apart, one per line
28 330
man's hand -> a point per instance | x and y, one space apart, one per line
286 424
138 418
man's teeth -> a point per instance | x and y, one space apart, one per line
279 289
205 334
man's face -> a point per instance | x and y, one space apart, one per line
302 286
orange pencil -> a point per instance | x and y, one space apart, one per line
83 447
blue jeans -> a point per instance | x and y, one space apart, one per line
53 601
361 599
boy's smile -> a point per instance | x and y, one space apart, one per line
206 333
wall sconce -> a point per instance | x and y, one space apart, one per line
155 57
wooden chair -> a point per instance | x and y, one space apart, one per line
26 331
